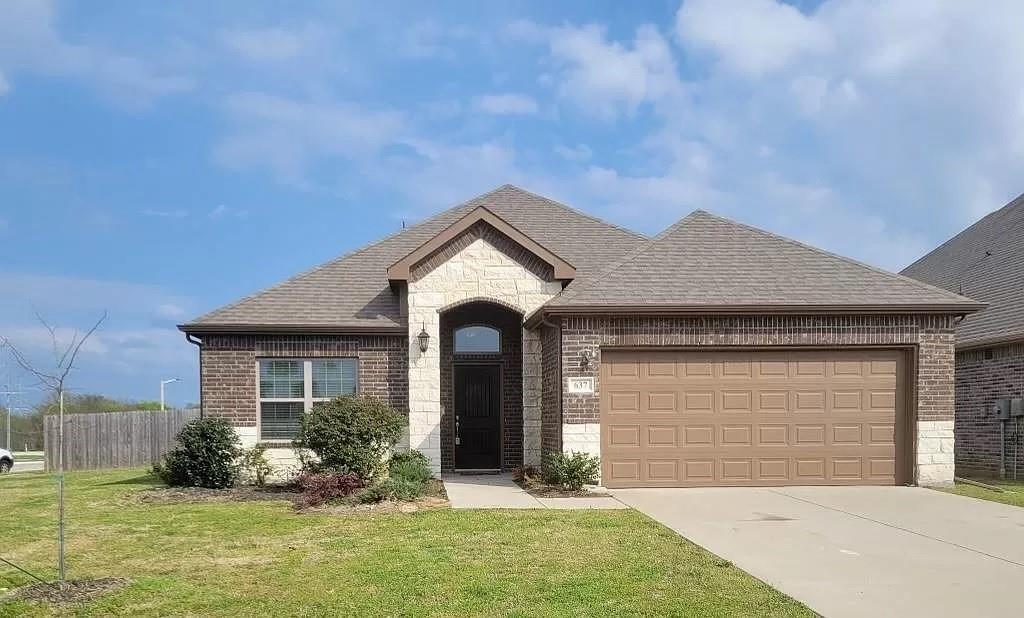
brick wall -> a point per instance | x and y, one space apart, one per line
228 373
982 376
511 360
551 412
933 335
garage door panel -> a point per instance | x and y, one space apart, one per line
751 418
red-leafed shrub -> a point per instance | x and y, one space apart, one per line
321 488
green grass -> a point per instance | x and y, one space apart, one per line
233 559
1013 491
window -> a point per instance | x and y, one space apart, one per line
477 340
289 387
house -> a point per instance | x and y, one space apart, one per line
985 262
512 326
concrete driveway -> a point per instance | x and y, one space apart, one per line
858 551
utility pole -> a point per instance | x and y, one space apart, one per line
9 408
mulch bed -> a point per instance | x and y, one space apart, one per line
75 591
176 495
434 497
540 489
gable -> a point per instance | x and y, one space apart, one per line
401 269
481 230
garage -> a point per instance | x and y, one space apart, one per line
672 418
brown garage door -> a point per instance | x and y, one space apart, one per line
678 419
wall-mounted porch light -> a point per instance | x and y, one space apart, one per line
586 355
424 339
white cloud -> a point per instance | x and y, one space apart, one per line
286 135
274 44
606 77
508 103
220 211
750 36
29 41
165 214
579 153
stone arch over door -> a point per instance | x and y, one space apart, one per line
478 271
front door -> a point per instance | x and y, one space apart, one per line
477 417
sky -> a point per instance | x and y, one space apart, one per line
158 160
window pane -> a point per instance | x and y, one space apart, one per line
334 377
281 379
280 420
477 339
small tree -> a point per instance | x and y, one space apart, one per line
55 380
351 434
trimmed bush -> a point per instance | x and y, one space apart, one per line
411 466
322 488
571 471
351 434
205 456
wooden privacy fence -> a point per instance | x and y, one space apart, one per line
113 439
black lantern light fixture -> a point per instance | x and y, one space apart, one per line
423 338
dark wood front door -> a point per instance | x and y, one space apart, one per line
477 417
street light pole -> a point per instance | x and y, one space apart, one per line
164 383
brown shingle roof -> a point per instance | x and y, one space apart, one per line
707 262
985 262
352 291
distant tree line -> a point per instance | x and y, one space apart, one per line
27 427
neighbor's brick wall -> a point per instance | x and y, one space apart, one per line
933 335
511 359
228 373
982 376
551 410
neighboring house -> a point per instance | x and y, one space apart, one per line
512 326
985 262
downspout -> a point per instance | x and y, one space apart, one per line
558 371
189 337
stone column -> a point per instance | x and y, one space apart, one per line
531 398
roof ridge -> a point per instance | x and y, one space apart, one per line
571 292
841 258
586 215
1002 211
343 256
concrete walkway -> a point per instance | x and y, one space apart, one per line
499 491
858 551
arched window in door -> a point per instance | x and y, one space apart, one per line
477 340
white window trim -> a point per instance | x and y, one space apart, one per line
307 388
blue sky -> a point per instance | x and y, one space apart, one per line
158 160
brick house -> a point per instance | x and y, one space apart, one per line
512 326
986 262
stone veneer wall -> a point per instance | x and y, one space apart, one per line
477 266
229 376
932 335
982 376
511 360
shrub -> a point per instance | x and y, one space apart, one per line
571 471
351 434
255 466
322 488
411 466
393 488
205 456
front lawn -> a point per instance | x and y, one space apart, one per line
1013 491
262 558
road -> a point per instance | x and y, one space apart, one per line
27 466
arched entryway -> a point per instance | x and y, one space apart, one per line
481 387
